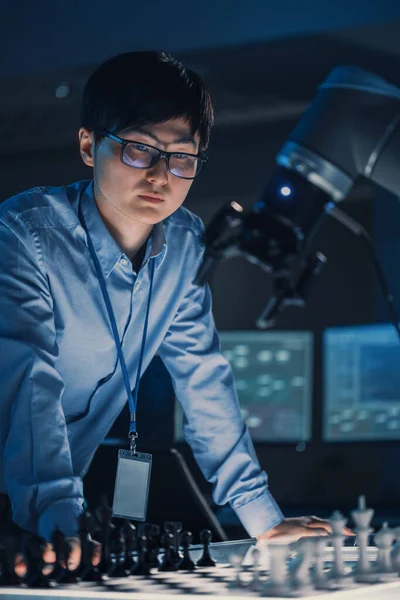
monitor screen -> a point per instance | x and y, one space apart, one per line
273 375
361 383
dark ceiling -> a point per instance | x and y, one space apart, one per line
269 83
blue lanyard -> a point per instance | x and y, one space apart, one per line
132 399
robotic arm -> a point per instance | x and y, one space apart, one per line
351 128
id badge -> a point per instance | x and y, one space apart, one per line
132 485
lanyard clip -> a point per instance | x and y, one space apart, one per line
132 441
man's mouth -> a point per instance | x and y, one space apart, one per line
153 199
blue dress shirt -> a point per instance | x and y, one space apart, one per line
61 382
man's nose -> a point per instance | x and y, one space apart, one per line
159 171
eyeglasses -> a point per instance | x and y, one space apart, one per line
143 156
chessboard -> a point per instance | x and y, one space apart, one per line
242 581
219 582
139 562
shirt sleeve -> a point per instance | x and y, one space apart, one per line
213 424
34 447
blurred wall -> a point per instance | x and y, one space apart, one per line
45 35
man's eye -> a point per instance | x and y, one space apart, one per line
182 156
140 147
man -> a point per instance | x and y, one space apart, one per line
146 123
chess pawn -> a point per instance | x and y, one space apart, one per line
236 562
384 541
206 559
186 563
277 584
362 517
338 573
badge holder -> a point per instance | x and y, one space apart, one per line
132 485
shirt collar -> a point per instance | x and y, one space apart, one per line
108 251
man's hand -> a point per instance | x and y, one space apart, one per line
49 557
292 529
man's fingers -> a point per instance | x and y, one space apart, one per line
317 522
74 558
311 531
49 556
320 524
19 565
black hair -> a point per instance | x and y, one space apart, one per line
145 87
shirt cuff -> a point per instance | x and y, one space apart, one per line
259 515
64 515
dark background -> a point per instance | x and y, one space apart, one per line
262 63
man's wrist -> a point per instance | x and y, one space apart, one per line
62 515
260 515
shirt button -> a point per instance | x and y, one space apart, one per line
124 261
137 285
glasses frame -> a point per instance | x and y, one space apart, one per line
161 154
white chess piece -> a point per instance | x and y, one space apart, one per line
384 541
255 583
236 562
278 582
362 517
395 552
299 568
338 574
321 581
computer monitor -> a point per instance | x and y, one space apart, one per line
273 375
361 383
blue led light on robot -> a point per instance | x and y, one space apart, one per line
285 190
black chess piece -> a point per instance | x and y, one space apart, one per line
109 556
105 513
9 546
67 576
86 570
206 560
61 550
142 567
186 563
152 532
117 553
130 535
168 562
33 549
174 527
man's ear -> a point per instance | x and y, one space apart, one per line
86 145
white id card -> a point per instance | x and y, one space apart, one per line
132 485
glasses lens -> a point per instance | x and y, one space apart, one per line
141 157
138 155
182 165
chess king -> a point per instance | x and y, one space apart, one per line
121 241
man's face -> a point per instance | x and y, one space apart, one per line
122 185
